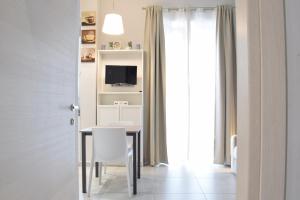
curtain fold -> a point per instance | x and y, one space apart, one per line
155 144
225 110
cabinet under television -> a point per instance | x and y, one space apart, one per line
120 80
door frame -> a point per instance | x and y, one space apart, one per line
262 101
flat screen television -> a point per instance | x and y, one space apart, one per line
120 75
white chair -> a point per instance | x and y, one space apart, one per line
110 145
118 123
121 124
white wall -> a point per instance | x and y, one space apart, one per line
261 100
134 16
87 79
293 61
248 100
38 66
87 84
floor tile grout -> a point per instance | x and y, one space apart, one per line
162 183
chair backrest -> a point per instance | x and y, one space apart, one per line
118 123
110 144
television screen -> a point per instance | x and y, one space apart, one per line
120 74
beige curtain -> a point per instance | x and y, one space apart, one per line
225 116
155 145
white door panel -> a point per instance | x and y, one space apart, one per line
38 77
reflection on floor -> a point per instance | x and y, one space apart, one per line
167 183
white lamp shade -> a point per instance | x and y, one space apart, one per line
113 24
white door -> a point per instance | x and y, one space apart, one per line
38 82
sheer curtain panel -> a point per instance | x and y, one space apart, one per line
190 66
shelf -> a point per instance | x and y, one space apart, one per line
121 51
115 93
112 105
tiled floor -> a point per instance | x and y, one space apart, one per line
168 183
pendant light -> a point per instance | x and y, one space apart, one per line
113 23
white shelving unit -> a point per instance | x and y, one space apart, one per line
122 52
119 93
107 94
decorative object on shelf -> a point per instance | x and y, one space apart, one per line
88 55
88 36
88 18
113 23
103 47
111 45
138 46
129 45
116 45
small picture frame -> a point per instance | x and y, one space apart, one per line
88 18
88 55
88 36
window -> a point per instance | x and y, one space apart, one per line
190 36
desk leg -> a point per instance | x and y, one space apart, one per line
97 169
83 158
134 165
139 155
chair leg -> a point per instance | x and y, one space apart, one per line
100 172
91 176
128 179
130 170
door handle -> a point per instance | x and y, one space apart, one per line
74 107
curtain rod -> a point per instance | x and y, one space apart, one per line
177 8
